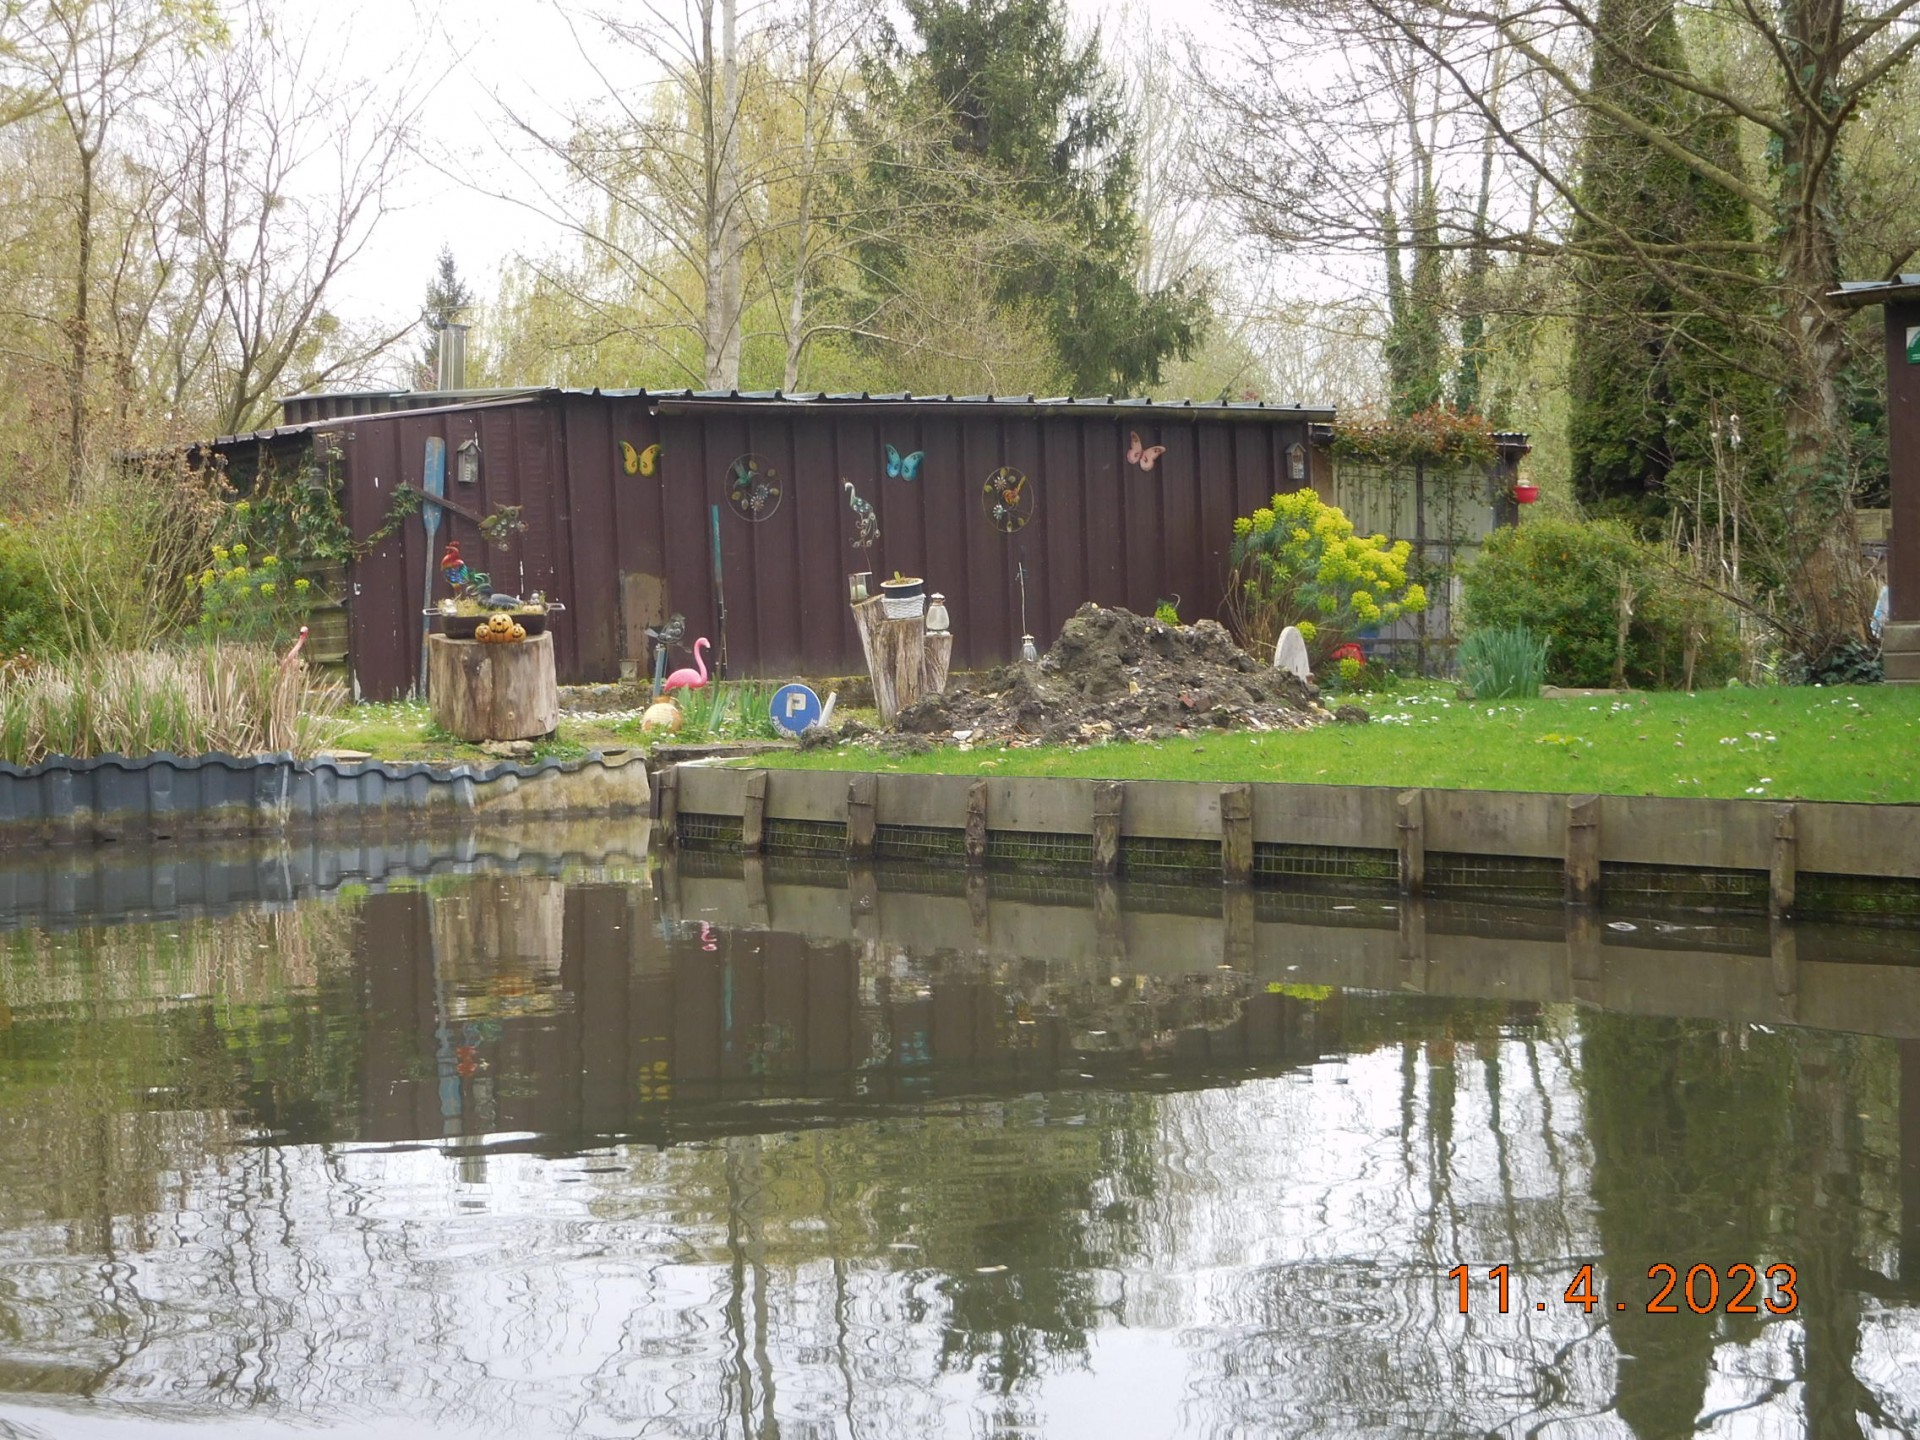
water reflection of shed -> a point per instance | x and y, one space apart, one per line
639 1015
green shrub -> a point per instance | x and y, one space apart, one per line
1298 562
1565 579
118 565
247 597
1503 664
29 612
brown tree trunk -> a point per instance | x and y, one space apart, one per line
1827 578
79 324
482 691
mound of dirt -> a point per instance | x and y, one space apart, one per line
1113 674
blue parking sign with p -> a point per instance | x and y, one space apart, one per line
795 707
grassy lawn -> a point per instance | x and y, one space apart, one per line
403 730
1860 743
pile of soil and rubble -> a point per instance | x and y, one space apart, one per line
1113 674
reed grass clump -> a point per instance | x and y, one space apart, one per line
241 699
732 710
1505 664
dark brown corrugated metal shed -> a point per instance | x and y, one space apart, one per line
623 550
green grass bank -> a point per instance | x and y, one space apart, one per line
1844 743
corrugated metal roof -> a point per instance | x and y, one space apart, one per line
1855 294
302 409
670 401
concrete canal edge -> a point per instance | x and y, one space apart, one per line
162 796
1860 862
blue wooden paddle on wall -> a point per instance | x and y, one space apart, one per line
433 481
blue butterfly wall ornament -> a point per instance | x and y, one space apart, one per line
903 467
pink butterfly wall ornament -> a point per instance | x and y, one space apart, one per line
1142 455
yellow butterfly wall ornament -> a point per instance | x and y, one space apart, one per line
640 462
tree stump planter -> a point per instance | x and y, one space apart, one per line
481 691
896 656
906 663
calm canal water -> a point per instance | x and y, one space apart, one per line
436 1142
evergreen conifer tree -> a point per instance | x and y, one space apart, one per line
1653 370
1036 119
448 299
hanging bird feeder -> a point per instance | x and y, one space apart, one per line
1525 492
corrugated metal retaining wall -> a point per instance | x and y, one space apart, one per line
163 796
111 884
623 550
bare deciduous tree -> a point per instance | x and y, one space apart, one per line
1520 74
88 63
279 179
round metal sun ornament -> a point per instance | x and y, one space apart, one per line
753 488
1008 498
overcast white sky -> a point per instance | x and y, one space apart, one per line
522 53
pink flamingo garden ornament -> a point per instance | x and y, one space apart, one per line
689 679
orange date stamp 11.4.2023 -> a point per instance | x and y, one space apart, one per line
1743 1290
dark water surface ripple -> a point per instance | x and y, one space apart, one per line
539 1147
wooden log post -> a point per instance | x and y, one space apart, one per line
753 878
980 908
1413 942
1109 929
896 652
1783 965
666 881
1410 812
666 820
1236 834
1109 796
939 660
863 902
1237 917
1783 873
1583 849
976 826
1586 962
753 815
863 792
493 692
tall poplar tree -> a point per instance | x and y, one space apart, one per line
1651 368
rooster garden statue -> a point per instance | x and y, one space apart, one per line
461 580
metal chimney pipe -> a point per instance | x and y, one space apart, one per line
453 358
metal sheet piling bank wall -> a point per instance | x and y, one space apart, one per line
624 549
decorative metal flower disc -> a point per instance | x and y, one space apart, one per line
1008 498
753 488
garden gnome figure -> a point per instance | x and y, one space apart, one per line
1290 654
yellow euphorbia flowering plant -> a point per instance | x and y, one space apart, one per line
1298 562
